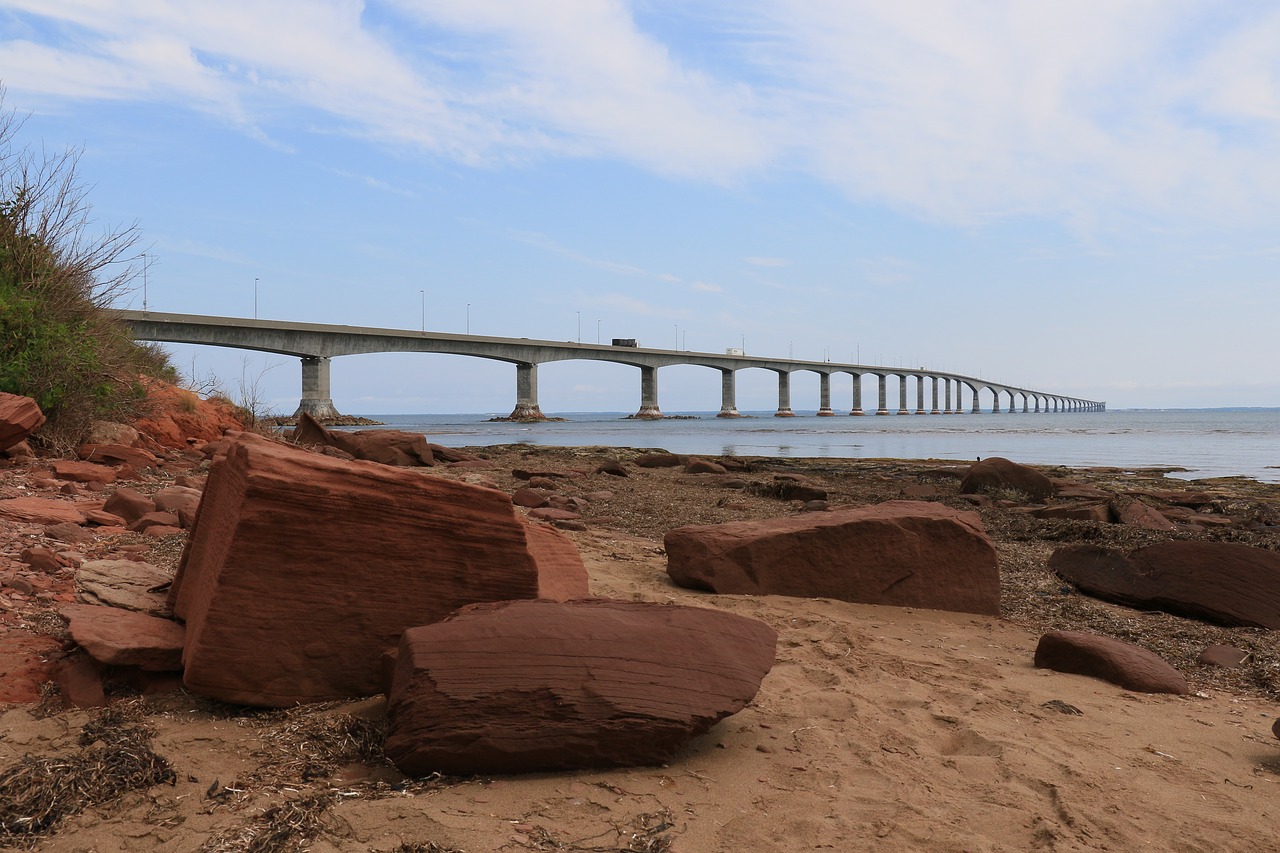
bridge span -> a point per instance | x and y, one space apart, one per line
317 344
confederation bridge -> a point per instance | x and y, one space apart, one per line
317 345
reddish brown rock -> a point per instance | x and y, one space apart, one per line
453 456
903 553
552 514
1100 512
41 559
385 446
79 681
69 532
82 472
159 531
21 450
129 504
27 662
659 460
704 466
1138 514
1227 657
118 454
997 473
109 432
301 569
41 510
1129 666
921 491
524 686
522 474
178 414
19 418
104 518
612 467
530 498
1219 582
116 637
1275 728
152 519
1069 489
175 499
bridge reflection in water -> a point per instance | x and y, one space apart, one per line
317 344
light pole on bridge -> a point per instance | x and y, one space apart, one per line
255 297
144 281
579 313
423 294
597 332
468 318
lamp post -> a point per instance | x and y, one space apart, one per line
255 297
677 325
468 318
597 333
144 281
579 313
423 294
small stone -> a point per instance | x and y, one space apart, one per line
1227 657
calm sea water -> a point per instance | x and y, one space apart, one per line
1205 442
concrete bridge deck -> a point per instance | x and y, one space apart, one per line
317 344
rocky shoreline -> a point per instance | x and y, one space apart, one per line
110 528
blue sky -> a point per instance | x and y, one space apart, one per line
1076 197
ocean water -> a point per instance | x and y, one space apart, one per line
1203 442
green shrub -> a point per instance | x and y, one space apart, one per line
56 344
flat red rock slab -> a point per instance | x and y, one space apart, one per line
522 686
27 661
82 472
41 510
1124 664
118 637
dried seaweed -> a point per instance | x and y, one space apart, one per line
305 744
649 832
37 793
285 828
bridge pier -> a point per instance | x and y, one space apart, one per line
784 396
883 408
857 395
902 394
728 394
935 410
977 401
317 399
946 397
824 396
527 394
649 410
920 410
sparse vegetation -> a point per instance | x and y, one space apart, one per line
56 344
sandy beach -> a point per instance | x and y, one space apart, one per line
878 728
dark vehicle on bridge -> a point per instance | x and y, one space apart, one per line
625 342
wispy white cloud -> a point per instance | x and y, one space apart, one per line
1092 112
542 241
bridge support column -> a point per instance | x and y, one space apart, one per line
527 394
935 410
316 396
728 394
784 396
883 408
902 394
995 405
649 410
920 410
1026 404
824 396
977 400
946 392
857 395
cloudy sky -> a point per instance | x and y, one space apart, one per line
1077 197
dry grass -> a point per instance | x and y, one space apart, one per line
284 828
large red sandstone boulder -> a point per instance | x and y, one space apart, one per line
82 472
129 504
903 553
118 454
1219 582
522 686
19 418
996 473
116 637
1129 666
302 569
